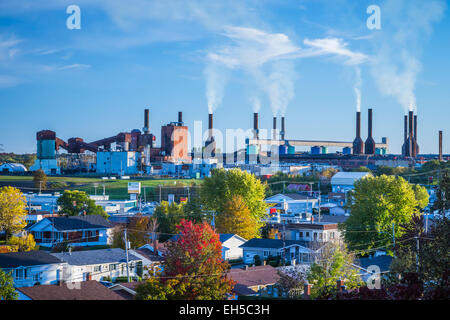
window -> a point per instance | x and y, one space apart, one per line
332 235
37 276
315 235
112 267
21 274
266 253
301 234
97 268
320 236
307 234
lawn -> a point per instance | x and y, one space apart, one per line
116 189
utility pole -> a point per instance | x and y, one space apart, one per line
40 186
393 234
126 252
159 194
417 255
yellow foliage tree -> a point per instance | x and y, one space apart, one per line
12 210
24 243
237 219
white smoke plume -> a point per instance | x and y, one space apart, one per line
256 103
216 79
357 88
396 63
280 86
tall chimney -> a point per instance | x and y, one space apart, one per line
358 144
440 145
210 124
405 136
370 143
146 121
282 128
415 136
411 147
180 117
255 125
274 128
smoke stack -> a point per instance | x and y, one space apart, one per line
405 136
282 128
370 143
440 145
358 144
210 139
180 117
146 121
255 124
274 128
411 142
415 136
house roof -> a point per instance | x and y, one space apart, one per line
149 254
89 290
383 262
79 222
29 258
291 196
255 276
222 237
272 243
17 167
347 178
90 257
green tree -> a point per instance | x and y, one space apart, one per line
40 179
12 210
74 203
7 291
361 169
195 262
237 219
217 190
169 216
376 205
442 203
332 262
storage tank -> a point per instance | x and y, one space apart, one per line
347 150
324 150
315 150
291 149
283 149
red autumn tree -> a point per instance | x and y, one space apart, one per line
195 261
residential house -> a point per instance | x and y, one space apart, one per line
251 281
299 250
91 230
293 203
100 264
342 182
231 243
32 267
88 290
127 290
150 260
378 265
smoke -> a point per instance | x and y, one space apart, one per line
280 86
216 79
398 46
256 103
357 88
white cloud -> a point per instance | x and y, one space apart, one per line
337 47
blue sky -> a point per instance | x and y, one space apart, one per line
298 58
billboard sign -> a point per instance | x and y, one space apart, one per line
134 187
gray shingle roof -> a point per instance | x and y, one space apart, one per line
23 259
384 262
272 243
90 257
79 223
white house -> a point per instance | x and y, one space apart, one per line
91 230
32 267
98 264
265 248
343 182
293 203
13 168
231 243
